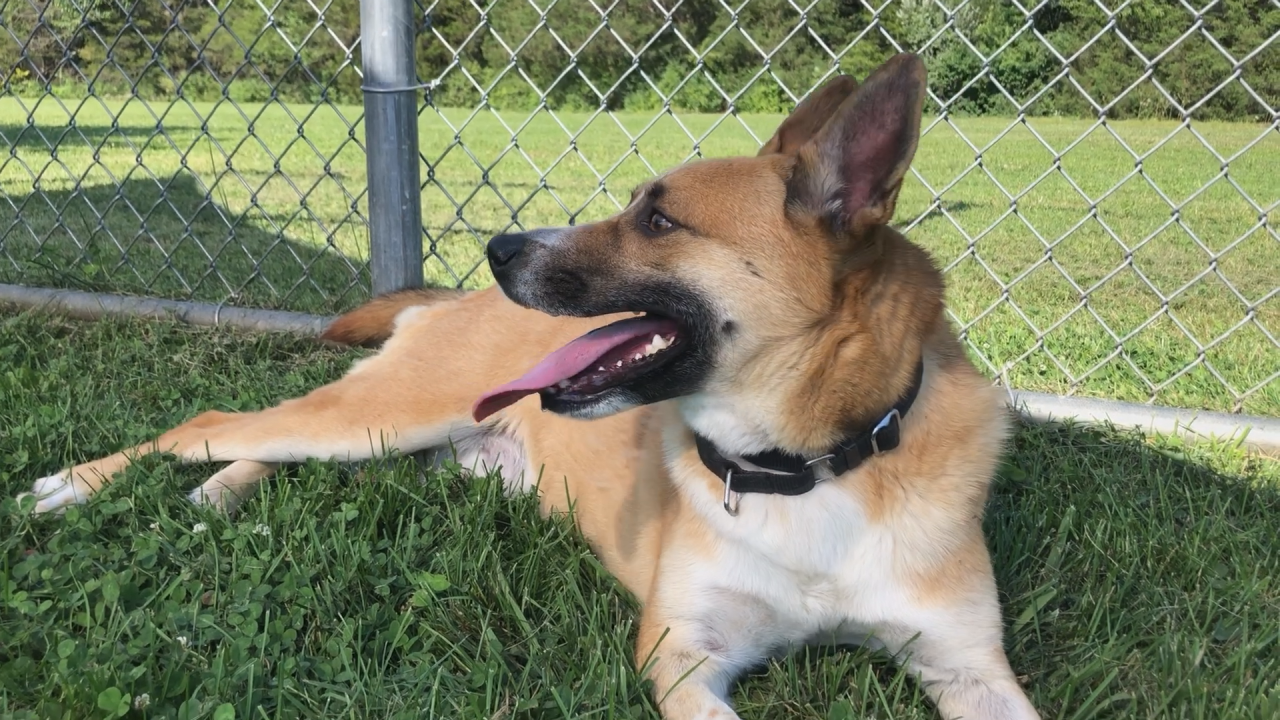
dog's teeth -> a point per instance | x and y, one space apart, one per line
658 344
619 364
600 369
562 384
638 357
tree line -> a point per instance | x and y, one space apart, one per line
985 57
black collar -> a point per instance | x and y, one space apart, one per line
784 473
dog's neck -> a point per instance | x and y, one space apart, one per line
857 361
731 423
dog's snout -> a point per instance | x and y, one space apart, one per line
503 249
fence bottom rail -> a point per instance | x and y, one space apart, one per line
1256 434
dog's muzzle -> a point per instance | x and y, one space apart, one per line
507 253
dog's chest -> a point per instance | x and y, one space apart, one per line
814 561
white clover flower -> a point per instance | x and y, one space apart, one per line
184 641
141 702
199 528
262 529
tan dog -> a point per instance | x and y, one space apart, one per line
805 450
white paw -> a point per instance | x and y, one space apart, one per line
720 711
218 496
56 493
231 485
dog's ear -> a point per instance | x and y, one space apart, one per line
851 171
809 116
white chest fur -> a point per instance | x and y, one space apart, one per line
813 562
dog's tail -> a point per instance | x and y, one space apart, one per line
372 323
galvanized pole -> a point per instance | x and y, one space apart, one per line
391 143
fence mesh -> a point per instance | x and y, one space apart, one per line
1096 177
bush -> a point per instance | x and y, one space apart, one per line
156 48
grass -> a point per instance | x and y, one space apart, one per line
1139 578
264 207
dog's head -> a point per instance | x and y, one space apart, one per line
730 262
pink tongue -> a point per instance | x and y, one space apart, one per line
567 362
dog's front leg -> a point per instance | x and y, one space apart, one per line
966 676
690 674
364 415
694 642
953 645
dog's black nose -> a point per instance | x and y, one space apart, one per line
505 248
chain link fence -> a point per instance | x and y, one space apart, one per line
1097 177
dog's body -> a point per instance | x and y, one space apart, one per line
784 314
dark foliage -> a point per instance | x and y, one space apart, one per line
1150 59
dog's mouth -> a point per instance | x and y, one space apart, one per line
605 358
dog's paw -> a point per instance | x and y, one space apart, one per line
232 485
56 493
216 496
701 705
718 713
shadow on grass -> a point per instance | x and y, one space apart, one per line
170 238
48 137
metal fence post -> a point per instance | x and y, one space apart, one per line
391 143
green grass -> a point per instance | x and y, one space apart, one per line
1139 578
170 201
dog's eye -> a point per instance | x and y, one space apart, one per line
657 222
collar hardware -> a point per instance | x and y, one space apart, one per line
784 473
891 425
731 498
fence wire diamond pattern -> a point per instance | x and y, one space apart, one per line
133 184
1103 230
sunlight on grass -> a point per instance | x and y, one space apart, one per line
1137 576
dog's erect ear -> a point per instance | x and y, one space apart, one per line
851 171
809 116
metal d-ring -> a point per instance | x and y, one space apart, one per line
729 495
892 417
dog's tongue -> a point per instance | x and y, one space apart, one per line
567 362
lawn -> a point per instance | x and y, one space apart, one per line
1106 280
1139 578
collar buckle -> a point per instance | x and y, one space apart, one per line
819 459
731 499
887 433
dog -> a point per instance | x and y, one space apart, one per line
787 443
